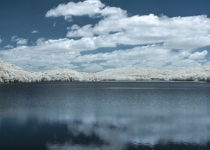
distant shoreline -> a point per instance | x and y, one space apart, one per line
153 81
10 73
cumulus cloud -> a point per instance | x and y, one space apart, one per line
180 33
8 47
153 56
88 7
45 55
19 41
65 53
177 32
76 31
184 33
199 55
153 40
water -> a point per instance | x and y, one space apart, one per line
105 116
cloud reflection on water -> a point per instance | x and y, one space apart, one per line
111 118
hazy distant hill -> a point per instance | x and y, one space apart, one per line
10 73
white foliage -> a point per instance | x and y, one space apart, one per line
11 73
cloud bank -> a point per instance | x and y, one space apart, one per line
153 41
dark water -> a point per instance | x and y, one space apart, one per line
105 116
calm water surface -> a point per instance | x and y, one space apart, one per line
105 116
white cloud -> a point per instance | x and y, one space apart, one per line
35 31
8 47
154 56
187 34
48 53
65 53
85 31
19 41
13 38
54 24
88 7
178 32
199 55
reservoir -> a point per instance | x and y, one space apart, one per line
105 116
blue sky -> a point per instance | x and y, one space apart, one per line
94 35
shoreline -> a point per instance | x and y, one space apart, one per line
117 81
10 73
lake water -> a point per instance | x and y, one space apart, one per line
105 116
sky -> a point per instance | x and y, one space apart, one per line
94 35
